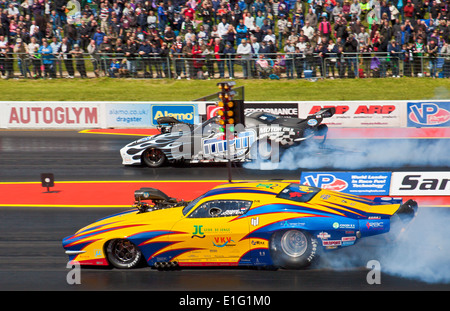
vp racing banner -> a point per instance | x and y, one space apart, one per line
357 183
428 114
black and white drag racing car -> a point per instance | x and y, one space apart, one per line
206 142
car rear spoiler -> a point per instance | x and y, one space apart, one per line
325 112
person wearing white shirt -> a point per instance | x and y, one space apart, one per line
34 29
12 10
270 36
355 9
222 28
249 21
255 45
245 51
301 44
3 42
308 30
33 48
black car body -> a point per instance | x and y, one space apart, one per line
206 142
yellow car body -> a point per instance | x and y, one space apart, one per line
263 223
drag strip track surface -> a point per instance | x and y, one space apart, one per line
74 156
70 155
32 258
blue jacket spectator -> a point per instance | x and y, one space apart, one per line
98 36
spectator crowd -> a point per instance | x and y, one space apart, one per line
210 38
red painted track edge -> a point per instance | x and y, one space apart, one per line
121 193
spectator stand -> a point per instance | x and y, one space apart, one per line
204 39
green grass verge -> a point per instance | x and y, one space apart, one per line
106 89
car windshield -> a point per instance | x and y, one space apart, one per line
268 117
298 193
191 204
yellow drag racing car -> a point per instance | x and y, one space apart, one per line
273 224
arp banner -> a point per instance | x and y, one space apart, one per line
428 114
367 114
357 183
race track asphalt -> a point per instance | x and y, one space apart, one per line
31 256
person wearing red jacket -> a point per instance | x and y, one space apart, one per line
198 58
218 48
408 10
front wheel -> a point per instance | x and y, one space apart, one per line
153 157
123 254
292 249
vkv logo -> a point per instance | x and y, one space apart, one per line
325 181
429 114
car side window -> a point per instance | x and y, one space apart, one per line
221 208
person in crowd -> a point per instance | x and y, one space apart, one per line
187 55
176 55
217 50
47 57
67 57
80 65
229 53
421 29
33 52
445 53
244 51
93 51
145 54
264 66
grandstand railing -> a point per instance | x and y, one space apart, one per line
291 66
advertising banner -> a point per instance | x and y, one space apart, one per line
128 115
428 114
358 114
284 109
187 113
50 115
82 115
420 184
357 183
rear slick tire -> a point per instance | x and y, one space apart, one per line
292 249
